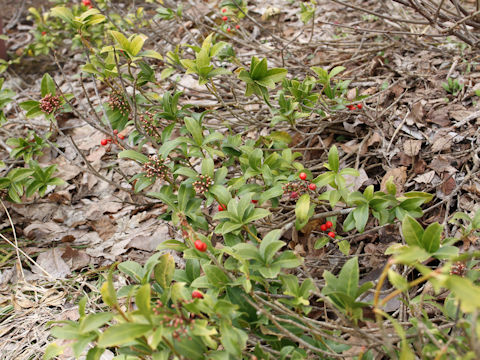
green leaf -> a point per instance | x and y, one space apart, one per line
344 247
208 167
288 260
407 255
397 280
324 179
348 277
132 268
270 193
333 161
270 245
274 75
62 12
185 193
360 214
121 40
233 339
221 194
48 85
122 334
321 242
465 291
336 70
431 237
134 155
258 213
164 270
94 321
302 209
142 300
412 231
109 296
195 129
52 351
216 277
137 43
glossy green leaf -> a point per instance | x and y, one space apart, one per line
134 155
122 334
412 231
431 237
302 209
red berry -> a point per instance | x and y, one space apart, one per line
115 132
312 187
197 295
254 201
293 195
323 227
331 234
224 10
86 2
329 224
228 29
109 140
359 106
303 176
224 18
221 207
104 142
121 137
44 33
237 27
200 246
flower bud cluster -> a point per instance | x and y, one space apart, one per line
179 322
49 103
458 268
149 124
202 184
295 189
154 167
117 102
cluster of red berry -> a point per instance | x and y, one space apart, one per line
353 107
225 18
326 226
200 245
202 185
49 103
295 188
87 3
104 142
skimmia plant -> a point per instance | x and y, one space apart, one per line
243 292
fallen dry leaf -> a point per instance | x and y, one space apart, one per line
412 147
439 117
441 164
442 140
448 184
53 263
75 259
425 178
